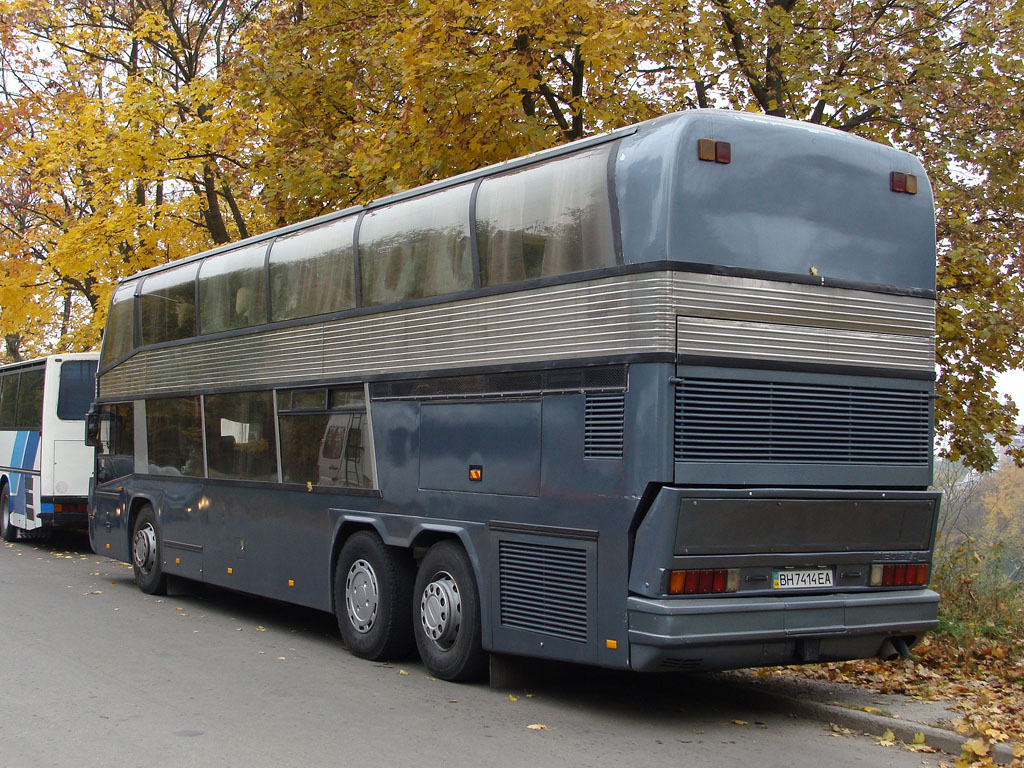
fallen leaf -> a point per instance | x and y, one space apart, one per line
739 722
537 727
402 672
512 698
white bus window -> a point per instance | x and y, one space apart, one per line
118 335
9 401
416 248
240 436
167 305
232 293
76 389
173 437
545 220
30 400
312 272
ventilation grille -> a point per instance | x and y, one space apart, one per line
763 421
543 588
603 426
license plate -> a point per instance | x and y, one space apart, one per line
803 579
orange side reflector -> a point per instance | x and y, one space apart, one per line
611 644
706 150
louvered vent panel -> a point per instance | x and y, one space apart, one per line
543 588
763 421
603 426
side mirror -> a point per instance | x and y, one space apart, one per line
92 429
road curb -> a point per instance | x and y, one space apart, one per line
947 740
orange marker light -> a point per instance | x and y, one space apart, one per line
706 150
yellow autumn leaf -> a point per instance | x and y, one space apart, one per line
537 727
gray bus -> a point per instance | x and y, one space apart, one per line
660 399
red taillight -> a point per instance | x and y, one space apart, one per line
899 574
703 581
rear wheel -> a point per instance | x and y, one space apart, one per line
146 563
7 530
372 593
446 614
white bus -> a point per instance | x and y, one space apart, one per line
44 465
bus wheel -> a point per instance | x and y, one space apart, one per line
149 575
7 530
372 593
447 614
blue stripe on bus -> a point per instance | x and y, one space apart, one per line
23 456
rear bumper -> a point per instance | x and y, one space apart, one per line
724 633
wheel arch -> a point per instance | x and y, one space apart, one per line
134 505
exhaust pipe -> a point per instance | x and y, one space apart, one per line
894 648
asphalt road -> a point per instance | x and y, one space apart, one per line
94 672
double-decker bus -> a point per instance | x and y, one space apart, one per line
660 399
44 466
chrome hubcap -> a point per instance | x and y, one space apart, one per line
144 548
362 597
441 610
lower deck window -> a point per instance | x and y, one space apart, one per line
174 437
325 438
240 436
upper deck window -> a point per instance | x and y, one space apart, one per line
232 290
548 219
416 248
118 336
311 272
168 305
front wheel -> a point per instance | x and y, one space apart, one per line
372 592
7 529
446 614
146 564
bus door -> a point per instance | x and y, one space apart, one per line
112 433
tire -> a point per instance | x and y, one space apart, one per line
7 529
146 553
372 594
446 615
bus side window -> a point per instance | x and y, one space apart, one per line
119 333
325 446
412 249
240 436
546 220
232 290
168 305
312 271
173 438
116 456
30 400
9 400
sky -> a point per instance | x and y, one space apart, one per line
1012 383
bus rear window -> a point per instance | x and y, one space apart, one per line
76 389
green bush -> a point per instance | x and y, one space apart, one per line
978 597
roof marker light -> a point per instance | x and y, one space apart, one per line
903 182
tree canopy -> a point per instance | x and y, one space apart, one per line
137 132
